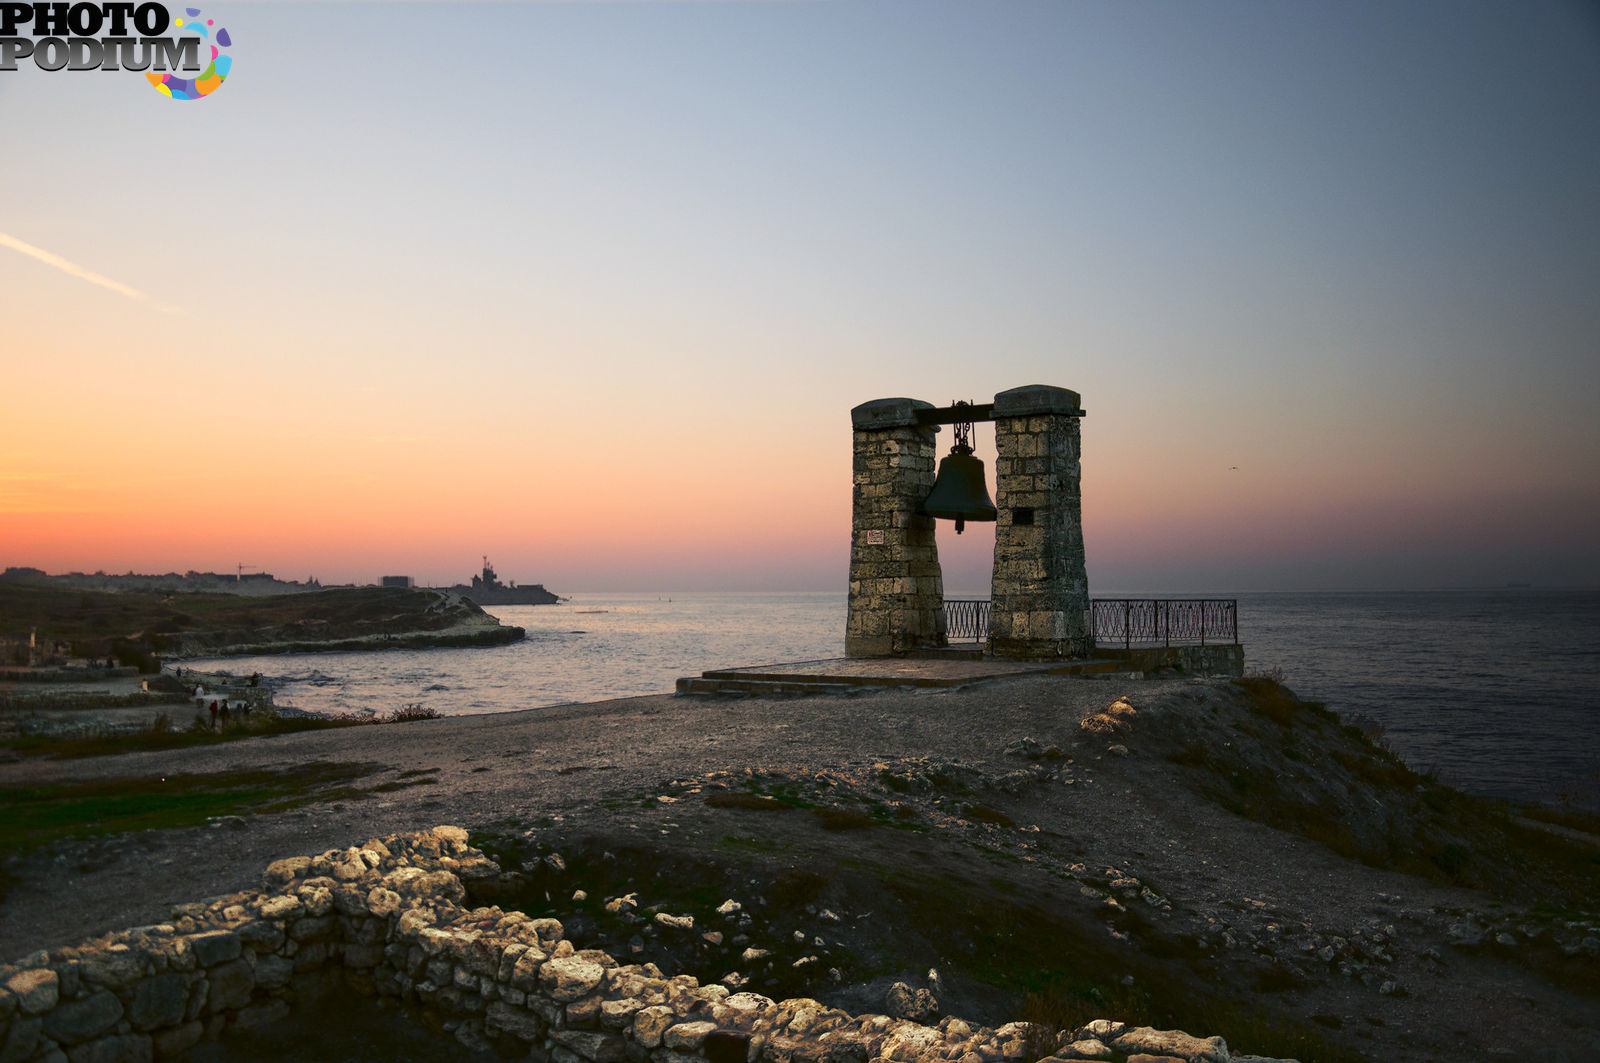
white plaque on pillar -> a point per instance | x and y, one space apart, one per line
875 537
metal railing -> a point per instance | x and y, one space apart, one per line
1164 621
966 619
1125 621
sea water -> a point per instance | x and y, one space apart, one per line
1496 691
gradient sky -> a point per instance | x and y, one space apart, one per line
592 287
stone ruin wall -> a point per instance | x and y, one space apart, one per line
385 919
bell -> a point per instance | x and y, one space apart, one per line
959 492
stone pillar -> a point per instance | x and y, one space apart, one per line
896 587
1040 607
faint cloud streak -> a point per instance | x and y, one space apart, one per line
75 270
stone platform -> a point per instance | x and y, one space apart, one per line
842 675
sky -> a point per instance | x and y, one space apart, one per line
591 288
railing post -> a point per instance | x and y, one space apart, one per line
1127 623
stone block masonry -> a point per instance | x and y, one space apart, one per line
896 599
386 918
1040 594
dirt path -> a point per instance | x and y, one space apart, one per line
485 768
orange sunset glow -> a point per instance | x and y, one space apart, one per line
606 324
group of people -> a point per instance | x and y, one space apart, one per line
222 710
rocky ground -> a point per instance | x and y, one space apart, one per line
1201 855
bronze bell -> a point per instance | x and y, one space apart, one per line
959 492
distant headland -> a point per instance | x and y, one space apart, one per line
51 621
484 589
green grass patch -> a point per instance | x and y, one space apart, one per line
103 742
38 815
1270 698
984 814
35 700
838 817
160 733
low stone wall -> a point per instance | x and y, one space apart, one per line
386 918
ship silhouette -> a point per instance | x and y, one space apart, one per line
486 589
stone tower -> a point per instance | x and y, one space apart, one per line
896 587
1040 596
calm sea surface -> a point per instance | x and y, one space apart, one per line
1497 691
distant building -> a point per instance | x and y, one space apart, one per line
397 581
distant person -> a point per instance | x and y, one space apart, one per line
225 714
213 714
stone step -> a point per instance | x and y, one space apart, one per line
741 687
961 651
847 676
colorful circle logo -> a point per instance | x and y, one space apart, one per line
214 74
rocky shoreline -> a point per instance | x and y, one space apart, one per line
492 633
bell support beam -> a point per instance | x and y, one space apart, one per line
896 602
980 412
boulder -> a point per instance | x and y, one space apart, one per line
903 1002
20 1039
274 972
281 872
116 968
231 984
911 1042
83 1020
502 1017
159 1001
382 901
595 1047
129 1048
687 1035
567 978
36 991
651 1023
1144 1039
215 946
